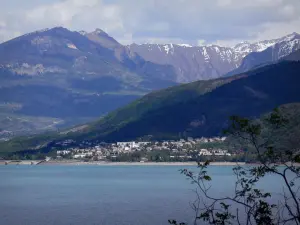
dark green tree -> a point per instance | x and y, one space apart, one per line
249 205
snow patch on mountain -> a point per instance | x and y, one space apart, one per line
288 47
185 45
244 48
72 46
83 33
169 48
205 54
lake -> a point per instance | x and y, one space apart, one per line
106 195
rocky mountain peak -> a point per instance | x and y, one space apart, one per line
82 32
100 37
291 37
99 31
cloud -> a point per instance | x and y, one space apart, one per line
187 21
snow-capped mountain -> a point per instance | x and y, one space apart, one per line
277 50
244 48
59 50
206 62
77 76
190 63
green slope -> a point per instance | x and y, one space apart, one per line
156 100
193 111
288 137
197 109
125 115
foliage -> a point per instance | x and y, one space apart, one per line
250 205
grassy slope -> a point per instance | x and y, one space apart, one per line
169 115
130 113
196 109
154 101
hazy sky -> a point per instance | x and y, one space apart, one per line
223 22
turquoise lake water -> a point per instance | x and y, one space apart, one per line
106 195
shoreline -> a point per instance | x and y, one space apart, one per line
79 163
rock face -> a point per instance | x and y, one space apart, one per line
208 62
191 63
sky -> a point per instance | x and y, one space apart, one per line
195 22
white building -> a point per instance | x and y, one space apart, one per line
79 156
131 144
64 152
221 152
204 152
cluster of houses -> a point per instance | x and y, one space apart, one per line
215 152
176 149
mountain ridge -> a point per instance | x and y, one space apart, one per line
284 47
206 62
61 75
55 72
189 63
249 95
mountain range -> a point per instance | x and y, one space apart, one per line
280 49
56 78
68 77
208 62
196 109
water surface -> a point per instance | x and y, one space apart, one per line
106 195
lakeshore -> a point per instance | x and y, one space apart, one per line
105 163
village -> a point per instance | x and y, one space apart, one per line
181 150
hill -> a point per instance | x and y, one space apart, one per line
204 115
192 110
124 115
